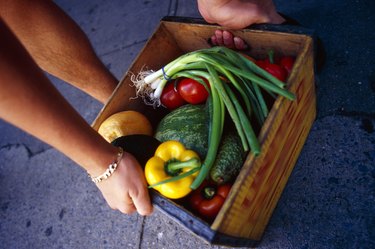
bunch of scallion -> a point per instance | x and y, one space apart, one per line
235 85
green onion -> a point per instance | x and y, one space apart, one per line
175 178
250 135
215 134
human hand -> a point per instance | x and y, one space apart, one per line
237 14
126 189
227 39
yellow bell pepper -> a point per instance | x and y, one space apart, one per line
172 160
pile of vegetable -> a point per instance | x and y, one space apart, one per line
200 140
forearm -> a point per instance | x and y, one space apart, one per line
58 45
28 100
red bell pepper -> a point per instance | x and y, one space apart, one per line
287 62
270 66
208 199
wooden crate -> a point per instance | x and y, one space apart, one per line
257 189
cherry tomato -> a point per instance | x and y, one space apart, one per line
192 91
208 199
170 98
287 62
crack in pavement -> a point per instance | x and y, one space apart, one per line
30 153
124 47
367 119
143 222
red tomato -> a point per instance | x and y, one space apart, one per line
170 98
192 91
287 62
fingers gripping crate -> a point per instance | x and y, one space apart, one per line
257 189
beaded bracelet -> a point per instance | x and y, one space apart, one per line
111 168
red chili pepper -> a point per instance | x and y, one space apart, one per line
208 199
276 70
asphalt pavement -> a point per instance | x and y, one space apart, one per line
46 200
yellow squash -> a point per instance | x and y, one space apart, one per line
125 123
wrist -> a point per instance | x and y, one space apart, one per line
99 159
111 168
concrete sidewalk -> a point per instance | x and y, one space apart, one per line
329 199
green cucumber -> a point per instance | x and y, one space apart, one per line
229 159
